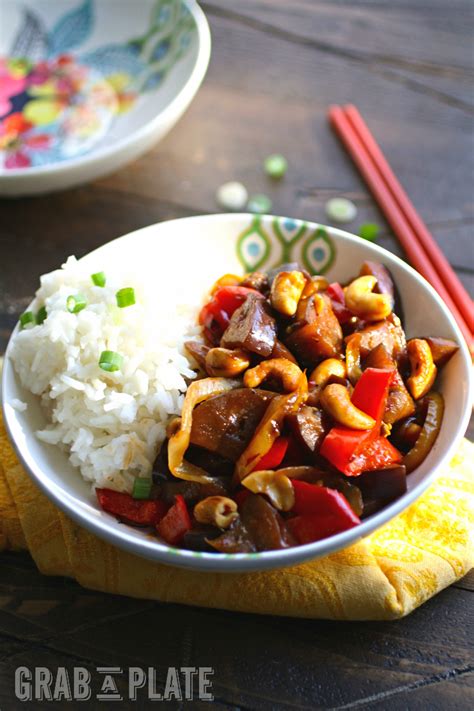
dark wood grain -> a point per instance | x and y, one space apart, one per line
276 67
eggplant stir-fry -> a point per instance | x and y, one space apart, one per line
309 409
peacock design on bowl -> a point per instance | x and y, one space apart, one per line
57 102
267 242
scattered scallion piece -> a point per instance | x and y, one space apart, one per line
75 303
110 361
232 196
341 209
259 204
27 318
125 297
99 278
369 231
142 488
275 166
41 315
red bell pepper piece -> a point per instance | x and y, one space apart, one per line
176 522
143 513
343 446
371 391
321 512
215 315
378 454
275 455
338 302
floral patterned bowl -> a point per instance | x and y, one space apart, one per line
191 254
89 85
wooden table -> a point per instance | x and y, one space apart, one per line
276 66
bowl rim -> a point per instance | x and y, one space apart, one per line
141 134
152 548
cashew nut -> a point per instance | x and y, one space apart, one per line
286 291
329 368
216 510
275 485
353 367
289 373
226 363
317 283
336 401
363 302
423 369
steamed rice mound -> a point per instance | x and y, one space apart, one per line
111 424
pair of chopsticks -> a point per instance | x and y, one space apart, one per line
414 236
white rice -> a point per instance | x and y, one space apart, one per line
111 424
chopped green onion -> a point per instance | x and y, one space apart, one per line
41 315
27 318
341 209
99 278
232 196
125 297
275 166
110 361
75 303
260 204
142 488
369 231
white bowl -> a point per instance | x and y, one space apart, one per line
98 83
199 250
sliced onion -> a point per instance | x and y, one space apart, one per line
270 428
197 392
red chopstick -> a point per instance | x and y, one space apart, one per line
445 271
401 214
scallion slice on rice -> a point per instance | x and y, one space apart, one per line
125 297
75 303
111 361
41 315
99 278
27 318
142 488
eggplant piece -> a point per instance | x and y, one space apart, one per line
257 281
381 486
281 351
213 463
160 470
236 539
442 349
226 423
316 333
198 351
197 538
309 425
191 491
264 524
251 327
389 333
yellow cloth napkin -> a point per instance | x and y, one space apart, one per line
383 577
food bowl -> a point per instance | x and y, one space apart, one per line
195 251
87 86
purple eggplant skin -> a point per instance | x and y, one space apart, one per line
251 327
288 267
385 284
381 486
196 539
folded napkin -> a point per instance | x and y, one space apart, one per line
383 577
